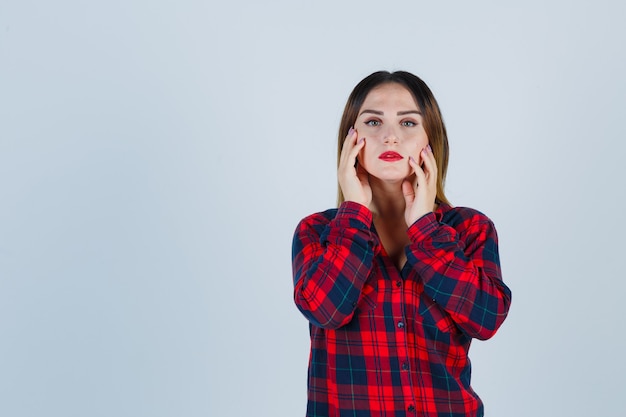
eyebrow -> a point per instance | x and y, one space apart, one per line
400 113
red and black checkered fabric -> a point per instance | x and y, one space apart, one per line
386 342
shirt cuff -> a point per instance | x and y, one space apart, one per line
423 227
349 211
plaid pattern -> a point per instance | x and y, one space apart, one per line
395 343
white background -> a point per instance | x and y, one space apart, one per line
156 156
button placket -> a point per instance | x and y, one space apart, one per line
397 288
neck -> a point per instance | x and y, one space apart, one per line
387 199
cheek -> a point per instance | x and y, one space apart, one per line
421 140
415 149
365 156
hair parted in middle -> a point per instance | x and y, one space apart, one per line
433 121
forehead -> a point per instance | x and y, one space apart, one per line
390 95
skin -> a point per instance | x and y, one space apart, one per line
398 193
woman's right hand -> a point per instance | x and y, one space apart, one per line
353 180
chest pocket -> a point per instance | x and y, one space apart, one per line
427 313
369 299
434 318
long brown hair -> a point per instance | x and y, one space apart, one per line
433 121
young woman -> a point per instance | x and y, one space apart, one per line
395 282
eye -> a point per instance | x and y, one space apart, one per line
408 123
373 123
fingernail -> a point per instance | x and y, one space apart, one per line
412 159
360 140
429 148
351 131
424 151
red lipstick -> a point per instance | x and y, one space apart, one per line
390 156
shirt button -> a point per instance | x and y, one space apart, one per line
398 283
411 408
400 324
405 366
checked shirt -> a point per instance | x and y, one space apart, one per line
386 342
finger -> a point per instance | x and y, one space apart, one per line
430 163
360 143
354 152
420 176
409 191
346 159
348 142
351 147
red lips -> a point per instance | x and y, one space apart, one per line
390 156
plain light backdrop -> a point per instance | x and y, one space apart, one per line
156 156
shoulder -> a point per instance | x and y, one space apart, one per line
319 218
311 229
463 218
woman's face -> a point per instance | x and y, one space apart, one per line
391 124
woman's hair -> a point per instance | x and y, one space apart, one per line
431 115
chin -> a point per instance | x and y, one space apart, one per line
385 171
398 176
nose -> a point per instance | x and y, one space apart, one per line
390 136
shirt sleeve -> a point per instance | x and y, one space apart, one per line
331 261
460 269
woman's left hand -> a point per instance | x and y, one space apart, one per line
420 194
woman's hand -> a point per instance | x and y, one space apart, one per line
420 194
353 180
